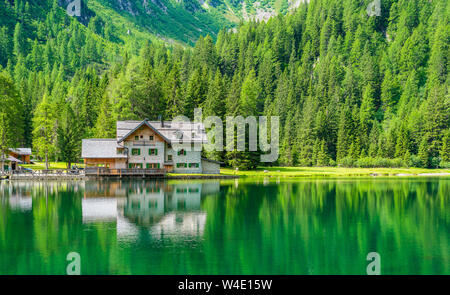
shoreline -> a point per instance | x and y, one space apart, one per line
199 177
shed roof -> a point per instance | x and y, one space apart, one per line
21 151
100 148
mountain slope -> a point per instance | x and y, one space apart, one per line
185 20
349 89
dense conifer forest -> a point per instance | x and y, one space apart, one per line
350 89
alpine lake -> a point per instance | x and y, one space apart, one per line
237 226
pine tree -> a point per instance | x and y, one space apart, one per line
10 117
214 103
250 95
424 154
45 129
322 156
105 125
19 41
444 153
68 133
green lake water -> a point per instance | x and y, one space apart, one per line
260 226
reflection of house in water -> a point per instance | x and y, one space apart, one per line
20 203
99 209
164 209
18 196
167 210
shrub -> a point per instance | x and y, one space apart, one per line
415 161
369 162
445 165
347 162
434 162
398 163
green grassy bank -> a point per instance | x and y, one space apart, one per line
331 172
52 165
291 171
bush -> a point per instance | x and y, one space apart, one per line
346 162
332 163
398 163
369 162
415 161
445 165
434 162
366 162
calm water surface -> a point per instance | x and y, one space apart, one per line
310 226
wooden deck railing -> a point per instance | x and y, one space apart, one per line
100 171
46 172
92 171
43 174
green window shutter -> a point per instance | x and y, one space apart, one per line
185 165
184 153
156 152
149 151
129 165
139 152
158 166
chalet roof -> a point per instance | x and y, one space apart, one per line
100 148
127 132
21 151
168 130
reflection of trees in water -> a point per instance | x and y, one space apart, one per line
30 239
328 226
306 226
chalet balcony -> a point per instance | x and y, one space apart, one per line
143 143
